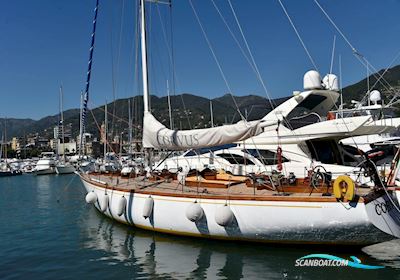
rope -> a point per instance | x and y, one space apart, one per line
66 186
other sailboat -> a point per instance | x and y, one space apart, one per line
63 166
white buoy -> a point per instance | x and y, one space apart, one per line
91 197
224 215
148 207
194 212
121 206
103 201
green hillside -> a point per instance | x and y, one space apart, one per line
189 111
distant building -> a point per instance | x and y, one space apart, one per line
15 144
42 142
58 132
53 144
69 148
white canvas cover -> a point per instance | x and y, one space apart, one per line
156 135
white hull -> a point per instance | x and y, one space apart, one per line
65 169
258 221
46 171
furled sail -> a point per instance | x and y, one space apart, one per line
156 135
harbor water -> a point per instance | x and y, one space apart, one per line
47 231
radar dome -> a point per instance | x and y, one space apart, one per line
375 96
312 80
331 82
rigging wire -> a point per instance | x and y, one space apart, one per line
335 106
115 66
298 35
233 35
106 140
258 74
358 55
333 54
170 49
252 63
384 72
216 59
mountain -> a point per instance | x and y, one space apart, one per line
357 91
189 111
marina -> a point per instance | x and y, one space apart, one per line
165 184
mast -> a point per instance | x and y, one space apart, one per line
341 87
81 142
146 103
105 130
130 127
146 97
1 146
368 89
5 139
211 114
62 122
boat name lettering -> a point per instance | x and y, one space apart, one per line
383 207
178 140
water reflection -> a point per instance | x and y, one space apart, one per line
153 255
387 252
43 183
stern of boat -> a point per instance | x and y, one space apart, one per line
384 212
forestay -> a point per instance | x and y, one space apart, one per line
156 135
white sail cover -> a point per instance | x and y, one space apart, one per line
156 135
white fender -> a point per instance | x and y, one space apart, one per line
224 215
91 197
103 201
194 212
148 207
121 207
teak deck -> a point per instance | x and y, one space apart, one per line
238 191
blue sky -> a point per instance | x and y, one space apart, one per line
45 43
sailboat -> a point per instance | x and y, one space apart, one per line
237 209
63 167
5 167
